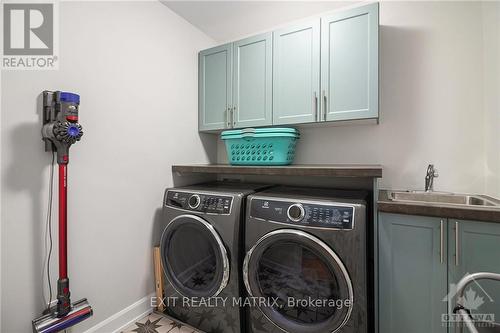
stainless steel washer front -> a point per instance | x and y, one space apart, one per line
201 252
308 270
306 261
194 258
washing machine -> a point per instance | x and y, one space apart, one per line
201 251
305 269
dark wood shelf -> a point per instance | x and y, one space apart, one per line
304 170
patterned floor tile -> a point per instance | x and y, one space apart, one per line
159 323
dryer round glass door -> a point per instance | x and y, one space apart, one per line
305 286
194 258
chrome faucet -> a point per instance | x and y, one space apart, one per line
429 178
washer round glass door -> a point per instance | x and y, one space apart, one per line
302 284
194 258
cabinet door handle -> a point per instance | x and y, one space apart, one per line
227 113
441 247
325 106
233 117
316 113
457 245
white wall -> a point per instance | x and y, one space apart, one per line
491 31
230 20
431 101
135 66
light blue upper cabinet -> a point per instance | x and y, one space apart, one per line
296 55
324 69
475 247
215 87
252 89
412 273
349 64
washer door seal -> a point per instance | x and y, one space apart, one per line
290 265
194 258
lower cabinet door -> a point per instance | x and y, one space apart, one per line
475 247
412 274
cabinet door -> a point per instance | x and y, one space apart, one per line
478 247
412 273
349 64
252 89
215 87
296 73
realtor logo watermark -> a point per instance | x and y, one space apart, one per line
472 301
30 35
273 302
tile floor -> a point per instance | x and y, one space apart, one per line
159 323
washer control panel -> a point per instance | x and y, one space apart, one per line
199 202
335 215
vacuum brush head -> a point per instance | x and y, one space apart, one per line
51 323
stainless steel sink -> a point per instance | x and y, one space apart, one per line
442 198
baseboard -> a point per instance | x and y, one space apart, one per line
125 317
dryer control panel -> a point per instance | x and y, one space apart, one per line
307 214
199 202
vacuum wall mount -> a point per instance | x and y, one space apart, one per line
60 130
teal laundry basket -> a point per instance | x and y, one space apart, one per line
261 146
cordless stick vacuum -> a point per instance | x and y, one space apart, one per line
60 130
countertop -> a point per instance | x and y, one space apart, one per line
474 213
306 170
